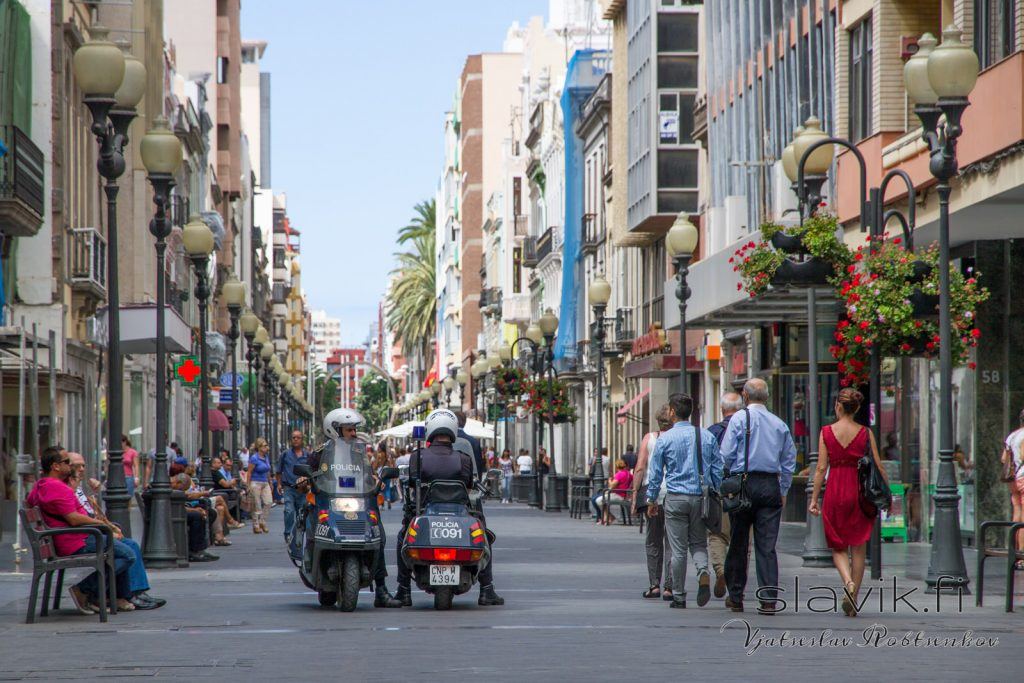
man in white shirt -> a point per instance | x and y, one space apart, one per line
524 462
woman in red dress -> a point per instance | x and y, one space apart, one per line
847 528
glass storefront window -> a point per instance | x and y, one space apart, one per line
793 409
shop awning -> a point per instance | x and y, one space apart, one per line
217 420
623 412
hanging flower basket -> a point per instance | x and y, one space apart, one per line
890 298
512 383
763 263
549 399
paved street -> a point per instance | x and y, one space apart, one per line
573 612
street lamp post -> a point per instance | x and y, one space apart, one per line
494 367
681 242
234 297
249 324
198 240
940 81
548 327
599 293
505 355
449 387
161 155
266 353
535 336
113 83
478 371
462 378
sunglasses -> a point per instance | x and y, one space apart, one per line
66 461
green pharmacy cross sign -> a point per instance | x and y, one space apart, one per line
188 370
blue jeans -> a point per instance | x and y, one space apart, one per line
294 500
593 503
138 581
506 488
124 558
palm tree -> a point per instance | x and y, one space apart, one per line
412 301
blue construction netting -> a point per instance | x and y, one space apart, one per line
586 68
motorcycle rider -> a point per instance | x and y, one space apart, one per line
440 461
342 423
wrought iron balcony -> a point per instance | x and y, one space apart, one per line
22 202
624 332
545 244
593 233
530 256
87 262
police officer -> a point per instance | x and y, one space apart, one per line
439 461
342 423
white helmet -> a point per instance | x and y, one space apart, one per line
441 421
338 418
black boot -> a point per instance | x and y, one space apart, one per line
403 596
384 599
488 598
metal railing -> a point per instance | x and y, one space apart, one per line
87 260
530 255
21 170
544 244
593 233
624 332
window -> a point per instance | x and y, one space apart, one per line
222 70
860 81
677 32
675 118
677 72
993 30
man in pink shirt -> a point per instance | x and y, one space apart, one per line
61 509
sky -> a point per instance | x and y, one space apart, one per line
359 89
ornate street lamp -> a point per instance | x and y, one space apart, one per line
261 341
478 371
599 293
234 298
462 378
939 81
681 242
435 392
249 324
112 90
449 388
548 324
161 155
198 240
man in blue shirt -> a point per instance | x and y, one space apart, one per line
772 462
675 460
294 499
718 541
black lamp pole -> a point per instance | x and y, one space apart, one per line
159 551
252 358
234 310
598 473
200 264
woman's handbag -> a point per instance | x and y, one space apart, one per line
875 494
734 487
710 504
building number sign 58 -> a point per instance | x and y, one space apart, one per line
990 377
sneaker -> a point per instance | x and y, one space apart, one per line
704 589
81 600
678 603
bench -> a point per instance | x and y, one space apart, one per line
1011 552
46 561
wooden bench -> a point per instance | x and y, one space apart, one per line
1010 551
46 561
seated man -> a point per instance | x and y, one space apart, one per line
195 518
138 581
61 510
216 505
222 481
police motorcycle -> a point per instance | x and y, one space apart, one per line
445 544
341 530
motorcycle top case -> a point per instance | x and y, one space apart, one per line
444 530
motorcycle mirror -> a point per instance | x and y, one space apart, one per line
388 472
302 471
493 475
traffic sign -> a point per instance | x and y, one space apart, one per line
188 371
226 395
230 379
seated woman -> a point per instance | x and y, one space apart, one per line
618 489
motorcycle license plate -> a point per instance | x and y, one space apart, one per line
441 575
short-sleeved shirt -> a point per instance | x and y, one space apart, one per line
129 457
260 468
506 467
1015 442
57 500
621 482
525 463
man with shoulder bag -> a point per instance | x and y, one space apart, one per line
759 453
686 457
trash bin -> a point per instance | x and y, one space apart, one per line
523 490
494 487
556 492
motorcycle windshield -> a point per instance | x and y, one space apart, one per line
345 469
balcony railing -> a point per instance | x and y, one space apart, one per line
522 226
490 300
700 120
530 255
593 233
87 261
22 202
545 244
624 331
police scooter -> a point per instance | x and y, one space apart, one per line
445 545
341 532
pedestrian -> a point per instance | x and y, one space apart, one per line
507 469
128 458
489 456
1013 475
524 463
630 457
674 460
718 541
605 463
294 500
772 461
618 488
243 457
544 466
847 527
658 552
259 486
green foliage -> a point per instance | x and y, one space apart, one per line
412 298
326 392
550 399
374 402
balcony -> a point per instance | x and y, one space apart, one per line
593 234
522 226
545 244
624 331
21 184
530 252
536 122
490 301
700 120
87 262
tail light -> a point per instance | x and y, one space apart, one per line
445 554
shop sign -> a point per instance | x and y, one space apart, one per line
651 343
